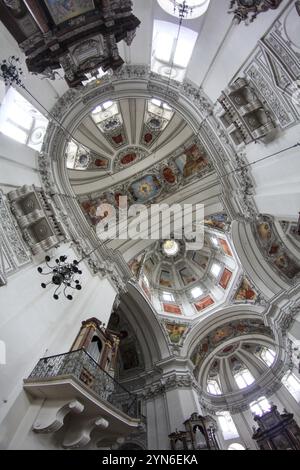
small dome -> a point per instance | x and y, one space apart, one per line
183 281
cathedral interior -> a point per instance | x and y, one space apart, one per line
117 334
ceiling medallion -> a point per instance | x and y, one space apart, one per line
242 9
185 9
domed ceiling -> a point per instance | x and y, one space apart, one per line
136 148
183 282
126 138
234 358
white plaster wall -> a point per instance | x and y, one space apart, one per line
33 324
277 179
158 427
17 164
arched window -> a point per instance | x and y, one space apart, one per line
227 425
267 356
213 387
170 53
243 378
292 384
260 406
21 121
94 348
236 446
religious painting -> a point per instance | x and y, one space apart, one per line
166 279
148 138
286 265
191 161
264 231
204 303
225 246
228 349
225 278
217 221
200 259
172 308
169 176
274 249
97 210
118 139
187 276
145 189
135 265
64 10
175 332
245 292
128 159
221 334
102 163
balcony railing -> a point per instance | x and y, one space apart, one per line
81 365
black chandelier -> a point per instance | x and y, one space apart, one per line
183 9
63 275
10 71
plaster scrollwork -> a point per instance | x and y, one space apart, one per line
288 318
13 250
80 435
51 417
168 383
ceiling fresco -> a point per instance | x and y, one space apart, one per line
187 164
224 333
274 251
182 282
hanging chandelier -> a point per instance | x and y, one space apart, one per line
185 9
63 275
10 71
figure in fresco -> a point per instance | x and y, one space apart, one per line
168 175
191 162
134 266
175 332
245 292
264 231
216 221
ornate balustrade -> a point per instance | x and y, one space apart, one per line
81 366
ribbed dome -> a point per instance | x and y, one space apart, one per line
183 281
